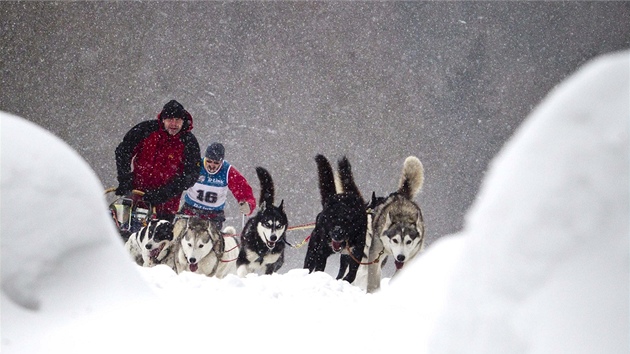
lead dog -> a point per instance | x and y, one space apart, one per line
398 225
341 225
152 244
205 250
264 235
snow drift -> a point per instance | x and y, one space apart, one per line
545 267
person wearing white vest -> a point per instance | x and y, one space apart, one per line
206 198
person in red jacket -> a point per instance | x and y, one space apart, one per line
161 158
206 199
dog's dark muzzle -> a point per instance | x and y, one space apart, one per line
271 242
338 239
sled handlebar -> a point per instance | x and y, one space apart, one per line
133 191
136 192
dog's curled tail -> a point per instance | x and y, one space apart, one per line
229 230
267 190
412 178
326 178
346 177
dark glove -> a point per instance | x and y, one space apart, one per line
125 184
155 196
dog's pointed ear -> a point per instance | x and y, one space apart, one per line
388 221
178 227
217 239
420 222
281 206
219 246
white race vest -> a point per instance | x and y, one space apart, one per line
210 191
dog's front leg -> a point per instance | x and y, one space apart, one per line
353 261
344 261
352 271
317 253
242 270
374 267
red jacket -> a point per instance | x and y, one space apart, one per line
160 162
241 190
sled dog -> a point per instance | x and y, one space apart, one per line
205 250
341 225
152 244
264 235
398 226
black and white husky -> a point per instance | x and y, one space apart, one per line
152 244
203 249
341 225
398 225
264 235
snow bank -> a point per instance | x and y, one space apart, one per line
545 263
61 255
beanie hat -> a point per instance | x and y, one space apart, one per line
215 151
173 109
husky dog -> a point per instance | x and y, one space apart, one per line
341 225
264 235
203 249
398 226
152 244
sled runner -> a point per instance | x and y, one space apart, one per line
130 213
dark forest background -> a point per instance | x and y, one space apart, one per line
279 82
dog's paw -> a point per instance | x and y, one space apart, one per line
241 271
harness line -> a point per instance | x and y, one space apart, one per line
229 260
368 263
301 227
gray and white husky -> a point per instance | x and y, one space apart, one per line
152 244
204 249
397 226
264 235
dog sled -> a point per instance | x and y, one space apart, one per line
130 213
